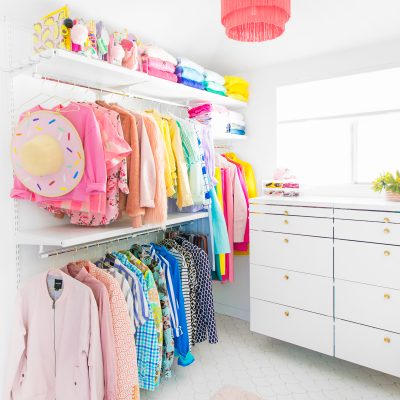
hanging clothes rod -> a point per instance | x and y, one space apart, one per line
108 241
108 91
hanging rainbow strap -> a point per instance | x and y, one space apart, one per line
47 154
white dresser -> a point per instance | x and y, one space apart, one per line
325 275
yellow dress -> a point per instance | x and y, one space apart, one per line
218 188
250 178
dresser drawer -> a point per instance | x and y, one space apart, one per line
291 210
368 305
363 231
291 224
375 264
288 288
302 328
308 254
372 216
370 347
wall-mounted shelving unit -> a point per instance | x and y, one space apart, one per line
71 235
63 65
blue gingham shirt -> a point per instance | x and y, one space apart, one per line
147 348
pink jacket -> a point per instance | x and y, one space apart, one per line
56 350
95 177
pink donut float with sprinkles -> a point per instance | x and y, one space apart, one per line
47 154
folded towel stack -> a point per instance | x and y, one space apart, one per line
189 73
237 124
159 63
214 82
216 117
237 88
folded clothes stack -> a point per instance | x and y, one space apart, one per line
237 124
189 73
214 82
237 88
284 183
216 117
159 63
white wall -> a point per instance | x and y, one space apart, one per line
260 149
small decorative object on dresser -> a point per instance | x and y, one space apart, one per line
389 183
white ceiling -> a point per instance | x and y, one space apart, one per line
192 28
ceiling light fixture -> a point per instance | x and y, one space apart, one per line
254 20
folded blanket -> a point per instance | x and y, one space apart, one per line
202 109
213 76
158 52
237 126
185 62
214 86
238 88
232 80
237 132
238 96
162 74
236 118
189 82
157 63
221 93
189 73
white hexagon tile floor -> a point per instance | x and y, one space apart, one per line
272 369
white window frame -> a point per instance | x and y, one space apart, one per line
353 121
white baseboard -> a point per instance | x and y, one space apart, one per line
230 311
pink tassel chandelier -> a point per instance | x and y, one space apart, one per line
254 20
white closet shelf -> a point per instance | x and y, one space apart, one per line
68 66
72 235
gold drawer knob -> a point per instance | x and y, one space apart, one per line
386 253
386 296
285 221
286 240
286 212
386 340
386 219
286 277
386 230
286 313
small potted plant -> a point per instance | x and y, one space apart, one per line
390 183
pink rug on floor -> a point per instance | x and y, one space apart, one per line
233 393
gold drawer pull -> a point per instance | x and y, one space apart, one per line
386 219
386 296
386 253
386 340
285 221
386 230
286 313
286 277
286 212
286 240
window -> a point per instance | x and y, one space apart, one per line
341 130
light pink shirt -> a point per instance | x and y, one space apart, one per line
240 209
56 348
106 329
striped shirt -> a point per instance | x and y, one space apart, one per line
148 356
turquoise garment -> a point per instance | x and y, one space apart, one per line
214 86
221 239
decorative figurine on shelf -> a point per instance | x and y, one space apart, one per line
79 35
116 51
103 40
130 59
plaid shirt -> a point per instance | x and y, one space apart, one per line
148 356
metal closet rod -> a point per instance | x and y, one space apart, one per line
108 91
102 242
